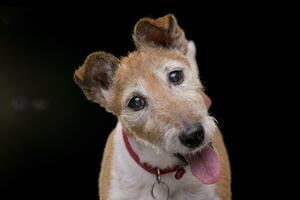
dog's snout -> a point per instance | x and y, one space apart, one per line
193 136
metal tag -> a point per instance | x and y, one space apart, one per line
160 189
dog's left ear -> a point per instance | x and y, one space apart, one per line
95 76
162 32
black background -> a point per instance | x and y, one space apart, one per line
52 138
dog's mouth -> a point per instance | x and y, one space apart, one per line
204 164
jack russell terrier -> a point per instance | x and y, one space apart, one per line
165 146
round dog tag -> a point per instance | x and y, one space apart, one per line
160 191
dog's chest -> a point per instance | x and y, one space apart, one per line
130 181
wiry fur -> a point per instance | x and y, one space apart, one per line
153 131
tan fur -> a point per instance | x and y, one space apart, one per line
224 183
141 66
104 178
105 79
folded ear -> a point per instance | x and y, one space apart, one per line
161 32
95 76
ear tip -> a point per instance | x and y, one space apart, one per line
95 55
165 22
98 57
171 17
148 20
141 23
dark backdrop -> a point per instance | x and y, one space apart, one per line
52 137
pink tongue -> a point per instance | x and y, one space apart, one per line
205 165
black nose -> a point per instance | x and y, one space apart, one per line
193 136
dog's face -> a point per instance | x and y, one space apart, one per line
154 91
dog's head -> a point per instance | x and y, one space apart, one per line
155 91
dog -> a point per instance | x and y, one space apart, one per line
165 144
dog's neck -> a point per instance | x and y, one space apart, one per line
147 154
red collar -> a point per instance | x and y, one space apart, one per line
153 170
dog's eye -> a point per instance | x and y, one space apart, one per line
137 103
176 77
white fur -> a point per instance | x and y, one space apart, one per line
130 182
172 143
191 56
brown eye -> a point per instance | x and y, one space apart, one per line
137 103
176 77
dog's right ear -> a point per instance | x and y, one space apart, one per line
161 32
95 76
